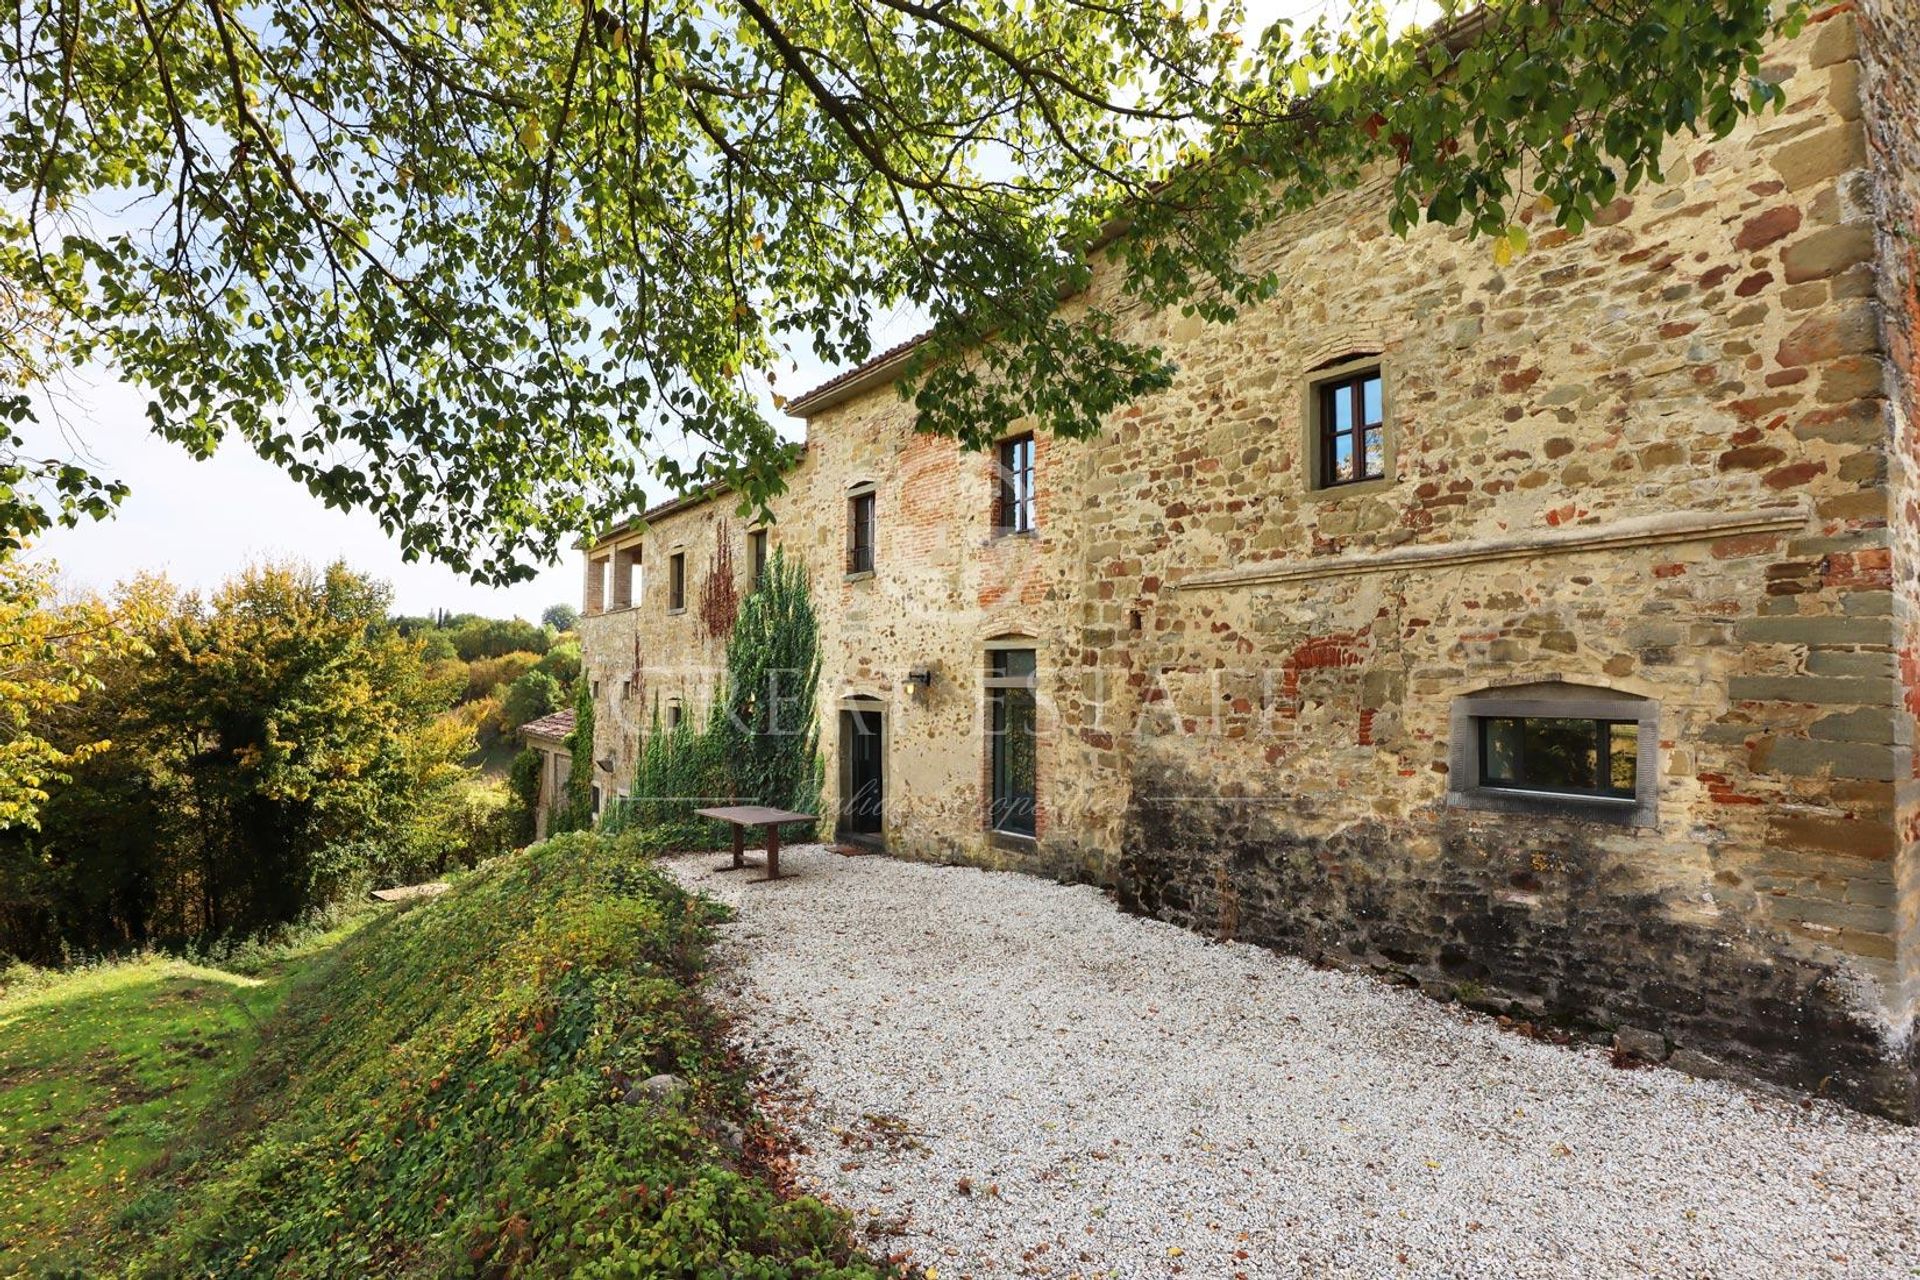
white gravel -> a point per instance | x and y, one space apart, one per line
1122 1098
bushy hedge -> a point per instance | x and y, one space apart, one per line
454 1094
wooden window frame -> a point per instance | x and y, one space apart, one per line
1316 434
1016 508
1327 395
863 553
677 582
757 555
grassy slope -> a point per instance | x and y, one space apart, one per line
445 1097
102 1068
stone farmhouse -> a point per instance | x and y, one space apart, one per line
1547 636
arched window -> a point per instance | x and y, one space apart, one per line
1556 748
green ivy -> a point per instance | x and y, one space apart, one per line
761 742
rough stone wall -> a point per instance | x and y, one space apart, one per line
644 656
1246 700
1890 34
1711 347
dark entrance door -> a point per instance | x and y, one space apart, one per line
862 782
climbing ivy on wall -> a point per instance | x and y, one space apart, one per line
761 740
577 813
768 717
719 598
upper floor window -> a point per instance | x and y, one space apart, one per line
1014 507
860 532
1556 748
1349 431
677 580
757 555
1346 436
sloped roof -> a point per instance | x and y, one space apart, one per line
553 726
856 379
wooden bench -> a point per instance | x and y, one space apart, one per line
742 816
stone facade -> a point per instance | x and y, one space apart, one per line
1665 466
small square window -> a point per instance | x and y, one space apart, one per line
677 581
1350 431
673 715
860 533
1014 509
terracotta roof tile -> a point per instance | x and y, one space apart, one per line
554 725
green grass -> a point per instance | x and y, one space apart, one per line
104 1067
449 1091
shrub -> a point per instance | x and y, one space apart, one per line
533 695
478 638
562 662
486 676
523 790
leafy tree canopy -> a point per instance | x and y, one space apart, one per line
561 617
473 267
50 655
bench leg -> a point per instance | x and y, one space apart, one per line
773 851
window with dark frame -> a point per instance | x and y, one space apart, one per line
757 554
677 580
1352 432
1011 681
1564 755
860 533
673 715
1014 507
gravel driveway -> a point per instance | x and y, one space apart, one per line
1012 1078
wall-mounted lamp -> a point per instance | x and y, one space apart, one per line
605 763
921 677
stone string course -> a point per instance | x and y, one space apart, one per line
1269 758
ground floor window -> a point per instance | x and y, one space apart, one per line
1558 753
1556 749
1010 739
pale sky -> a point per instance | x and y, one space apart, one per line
200 522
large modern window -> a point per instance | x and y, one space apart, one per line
1554 748
1350 430
860 532
677 581
1011 681
1014 506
